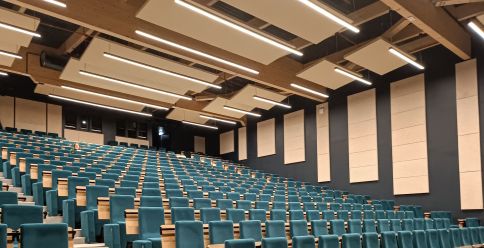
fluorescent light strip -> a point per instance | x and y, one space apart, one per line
297 86
3 74
126 83
258 98
405 58
11 55
199 125
352 76
190 50
18 30
156 69
476 29
218 119
60 4
238 28
242 111
114 98
329 15
98 105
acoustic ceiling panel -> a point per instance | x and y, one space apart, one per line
180 114
172 16
217 106
291 16
48 89
323 74
375 57
245 96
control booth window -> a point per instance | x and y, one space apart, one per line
142 130
121 128
132 129
96 124
70 121
84 122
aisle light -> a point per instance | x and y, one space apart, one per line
190 50
199 125
9 54
297 86
218 119
19 30
476 29
258 98
329 15
237 27
352 76
99 105
242 111
126 83
60 4
406 58
156 69
114 98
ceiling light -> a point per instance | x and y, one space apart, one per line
258 98
199 125
156 69
11 55
406 58
190 50
476 29
330 15
99 105
237 27
114 98
218 119
126 83
4 74
352 76
242 111
18 30
60 4
297 86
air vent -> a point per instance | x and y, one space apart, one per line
53 61
232 11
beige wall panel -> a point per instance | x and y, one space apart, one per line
411 185
322 142
266 138
467 115
242 138
469 152
360 144
408 86
361 129
364 174
132 140
466 79
408 102
227 142
366 158
30 115
199 144
54 119
408 118
362 106
409 135
409 151
81 136
294 142
6 111
410 168
470 192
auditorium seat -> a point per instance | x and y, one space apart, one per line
7 197
235 215
432 238
220 231
209 214
150 219
278 214
275 228
370 240
280 242
3 236
44 235
240 243
419 239
189 234
388 239
257 214
250 229
337 227
328 241
296 215
182 214
298 228
351 240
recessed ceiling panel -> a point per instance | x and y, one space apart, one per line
48 89
376 57
216 106
291 16
323 74
179 114
245 96
168 14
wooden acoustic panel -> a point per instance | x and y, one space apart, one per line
81 136
242 138
468 131
322 143
227 142
54 119
323 74
409 136
7 111
30 115
266 138
199 144
294 145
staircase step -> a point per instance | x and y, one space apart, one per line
53 219
97 245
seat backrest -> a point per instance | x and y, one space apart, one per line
117 205
419 239
44 235
257 214
235 215
220 231
151 192
396 225
15 215
444 238
125 191
175 202
150 219
278 214
383 225
189 234
356 214
455 237
312 215
199 203
8 197
73 182
303 242
275 228
225 204
182 214
405 239
432 238
278 242
56 174
298 228
250 229
337 227
369 226
408 225
328 214
328 241
389 239
351 240
419 224
354 226
466 236
151 201
209 214
296 215
262 205
243 204
370 240
173 193
106 182
240 243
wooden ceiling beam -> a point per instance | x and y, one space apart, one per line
436 22
466 11
441 3
79 36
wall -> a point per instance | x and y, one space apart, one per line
440 95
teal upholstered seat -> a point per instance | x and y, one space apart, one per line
220 231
